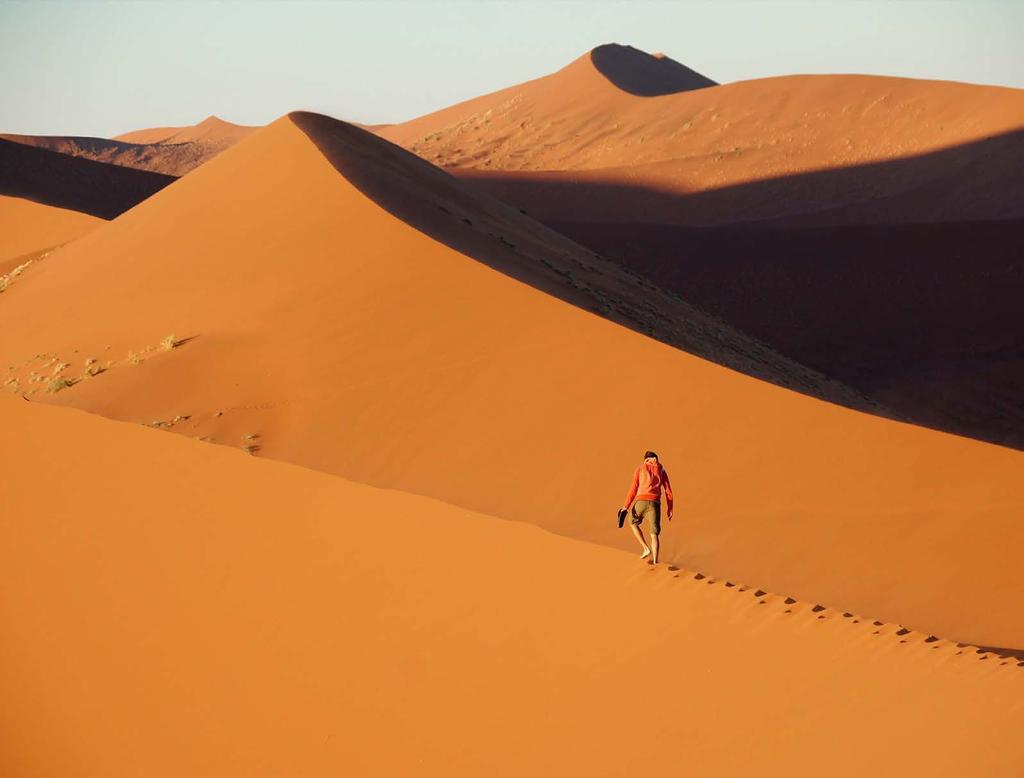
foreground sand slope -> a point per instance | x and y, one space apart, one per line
321 329
30 229
177 609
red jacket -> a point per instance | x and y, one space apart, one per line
648 481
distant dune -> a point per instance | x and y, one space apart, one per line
318 296
169 150
178 609
62 181
212 129
31 229
753 199
608 154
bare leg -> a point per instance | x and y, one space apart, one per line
655 547
640 538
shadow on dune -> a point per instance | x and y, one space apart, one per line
879 276
644 75
976 181
493 233
927 319
1004 653
56 179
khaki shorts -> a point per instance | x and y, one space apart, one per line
651 511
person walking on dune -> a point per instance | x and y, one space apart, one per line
645 500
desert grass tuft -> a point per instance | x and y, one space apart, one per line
57 383
5 280
168 343
251 441
92 368
134 358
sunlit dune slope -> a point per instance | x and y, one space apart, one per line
573 142
178 609
313 325
170 150
29 229
63 181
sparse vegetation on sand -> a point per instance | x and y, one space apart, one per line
168 343
92 368
161 424
57 383
7 278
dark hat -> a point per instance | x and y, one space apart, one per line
650 455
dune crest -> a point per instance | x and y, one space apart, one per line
210 129
643 74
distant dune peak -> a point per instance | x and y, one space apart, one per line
215 121
645 75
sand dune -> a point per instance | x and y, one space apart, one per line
929 322
178 609
172 160
717 139
925 318
212 129
83 185
336 303
172 151
31 229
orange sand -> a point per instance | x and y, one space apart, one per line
211 129
573 143
30 229
177 609
924 320
342 338
172 151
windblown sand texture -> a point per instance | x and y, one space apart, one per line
574 143
318 296
181 609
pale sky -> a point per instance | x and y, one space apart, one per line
102 68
